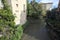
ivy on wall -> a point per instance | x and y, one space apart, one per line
8 30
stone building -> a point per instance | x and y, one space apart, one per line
19 10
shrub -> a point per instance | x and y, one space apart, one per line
8 30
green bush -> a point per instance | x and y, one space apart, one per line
18 33
8 30
53 17
14 36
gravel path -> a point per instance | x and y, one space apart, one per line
35 31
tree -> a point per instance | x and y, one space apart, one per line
53 22
34 9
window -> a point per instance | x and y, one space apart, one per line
17 5
24 7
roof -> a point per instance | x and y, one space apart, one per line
46 3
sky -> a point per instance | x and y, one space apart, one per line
55 2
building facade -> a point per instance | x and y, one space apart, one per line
45 7
19 10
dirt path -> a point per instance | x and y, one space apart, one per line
36 31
